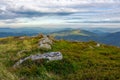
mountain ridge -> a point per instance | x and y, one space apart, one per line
106 38
66 33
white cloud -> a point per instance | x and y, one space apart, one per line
46 5
22 12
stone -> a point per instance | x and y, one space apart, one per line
91 47
49 56
98 45
45 46
22 37
45 42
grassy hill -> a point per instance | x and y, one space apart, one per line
83 35
112 38
73 32
82 60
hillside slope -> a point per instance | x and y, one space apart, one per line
83 35
81 60
112 38
75 34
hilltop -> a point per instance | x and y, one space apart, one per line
81 60
110 38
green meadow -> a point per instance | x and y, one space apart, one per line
81 60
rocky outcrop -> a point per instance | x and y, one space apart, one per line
49 56
45 42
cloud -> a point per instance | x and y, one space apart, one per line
60 11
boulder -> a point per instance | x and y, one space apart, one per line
49 56
45 46
98 45
22 37
45 42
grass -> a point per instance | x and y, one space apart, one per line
82 61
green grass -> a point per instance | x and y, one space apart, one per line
82 61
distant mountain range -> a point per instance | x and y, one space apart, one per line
106 36
28 31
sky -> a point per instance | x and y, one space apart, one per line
60 13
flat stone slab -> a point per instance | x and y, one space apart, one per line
50 56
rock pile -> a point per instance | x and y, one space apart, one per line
49 56
45 43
